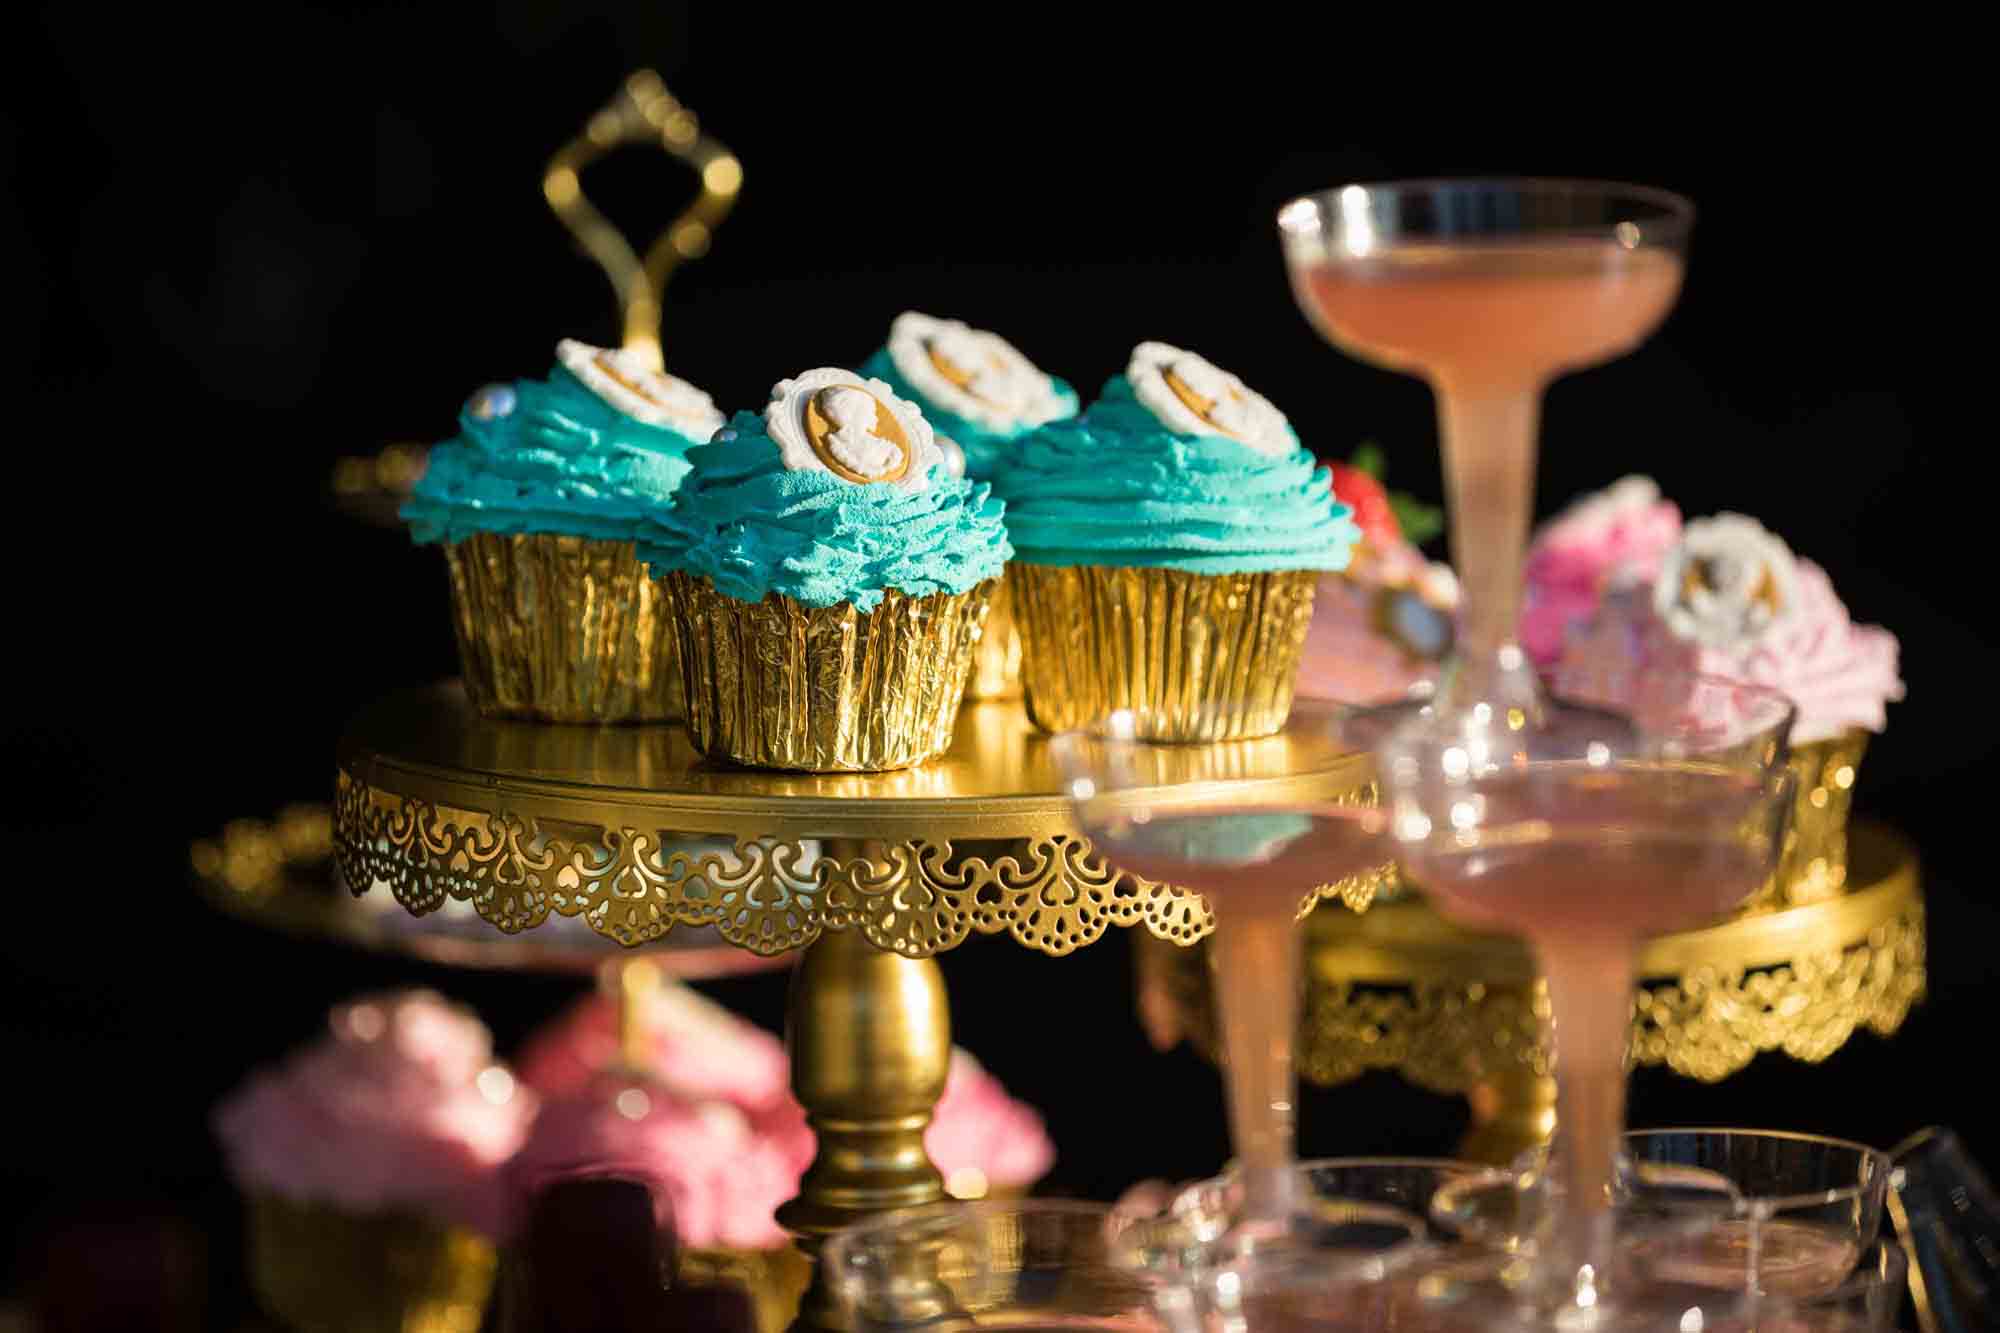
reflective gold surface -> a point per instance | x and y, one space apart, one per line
870 1040
823 689
1814 864
643 112
279 874
562 629
320 1270
1195 657
525 822
775 1279
1398 987
996 661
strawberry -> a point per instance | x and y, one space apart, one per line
1373 513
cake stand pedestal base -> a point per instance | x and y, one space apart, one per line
869 1034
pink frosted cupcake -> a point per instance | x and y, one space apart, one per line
982 1141
718 1181
1615 535
980 1138
715 1177
371 1162
1730 599
1382 627
1381 630
694 1046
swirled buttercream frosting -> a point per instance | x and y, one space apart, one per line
1613 536
1124 485
971 385
699 1053
835 493
583 453
401 1108
717 1180
1731 600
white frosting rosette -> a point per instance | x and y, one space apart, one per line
1626 498
975 374
1727 583
623 378
834 421
1194 397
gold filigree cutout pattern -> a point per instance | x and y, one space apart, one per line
1711 1022
1440 1036
1357 892
919 898
1449 1035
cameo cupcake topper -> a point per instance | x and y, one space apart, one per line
625 379
1726 583
976 374
832 420
1194 397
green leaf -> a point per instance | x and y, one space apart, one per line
1369 459
1420 522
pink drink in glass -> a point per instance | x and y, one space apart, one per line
1583 864
1488 324
1257 867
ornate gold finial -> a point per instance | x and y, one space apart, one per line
643 112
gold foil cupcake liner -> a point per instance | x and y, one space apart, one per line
776 1280
1813 864
1194 657
779 684
996 660
563 629
317 1267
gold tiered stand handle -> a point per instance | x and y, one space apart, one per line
372 487
643 112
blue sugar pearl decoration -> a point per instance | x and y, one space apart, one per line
495 400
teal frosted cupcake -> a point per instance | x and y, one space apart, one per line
828 577
536 503
1166 547
984 397
972 386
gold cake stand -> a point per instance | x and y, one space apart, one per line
871 875
1400 988
279 873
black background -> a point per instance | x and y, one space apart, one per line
242 244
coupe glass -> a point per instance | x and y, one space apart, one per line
1351 1255
1867 1300
1808 1208
1642 802
1031 1265
1488 290
1159 812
